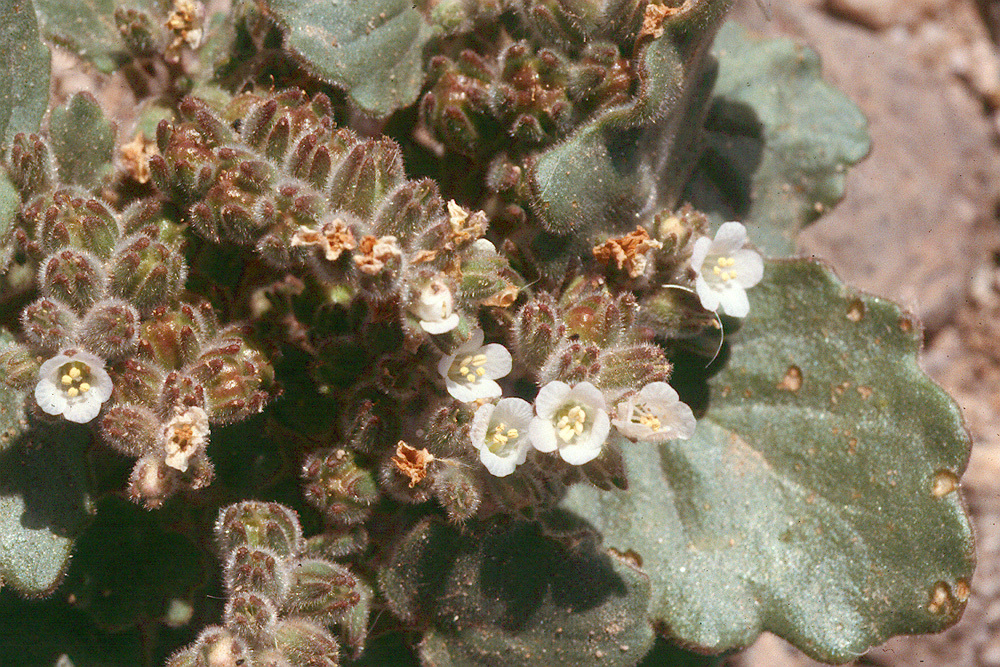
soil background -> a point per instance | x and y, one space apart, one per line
919 224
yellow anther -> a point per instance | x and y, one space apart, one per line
74 372
67 380
464 370
479 359
72 391
716 270
512 433
480 372
84 387
470 377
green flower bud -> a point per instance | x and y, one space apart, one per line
256 570
259 524
336 485
49 324
130 429
250 616
147 272
32 168
111 329
75 277
18 366
321 590
306 644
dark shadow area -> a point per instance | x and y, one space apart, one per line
733 149
692 371
521 567
44 466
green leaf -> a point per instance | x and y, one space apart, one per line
83 141
373 49
10 203
513 596
818 497
779 139
632 157
44 505
24 77
88 28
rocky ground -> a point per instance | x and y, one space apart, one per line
919 225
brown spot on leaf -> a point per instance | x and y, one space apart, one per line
852 446
906 323
792 380
856 310
864 392
962 590
941 600
945 481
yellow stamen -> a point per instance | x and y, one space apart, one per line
67 380
74 372
84 387
72 392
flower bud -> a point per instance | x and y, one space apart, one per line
111 328
18 366
77 221
147 272
337 543
152 482
73 276
235 377
49 324
306 644
538 329
217 647
369 172
31 165
130 429
320 589
456 489
250 616
259 524
258 570
336 485
173 337
137 31
137 381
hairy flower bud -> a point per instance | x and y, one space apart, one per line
235 376
111 328
152 482
259 524
455 487
320 589
250 616
31 165
147 272
339 487
76 277
257 570
130 429
49 324
18 366
306 644
70 218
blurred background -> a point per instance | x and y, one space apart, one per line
919 224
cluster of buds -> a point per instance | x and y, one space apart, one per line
282 598
308 195
530 97
109 334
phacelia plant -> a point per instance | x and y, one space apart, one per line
454 332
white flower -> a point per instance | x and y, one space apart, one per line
434 308
470 373
185 435
573 420
500 433
73 384
726 269
654 414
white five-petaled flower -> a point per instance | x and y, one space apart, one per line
434 307
573 420
500 433
184 436
726 269
471 373
73 384
654 414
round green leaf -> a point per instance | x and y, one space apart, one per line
24 78
818 498
512 596
778 139
83 141
371 48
